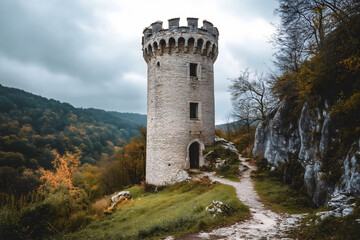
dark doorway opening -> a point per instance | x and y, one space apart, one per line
194 155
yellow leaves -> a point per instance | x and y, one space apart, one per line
220 133
65 166
347 111
74 129
131 158
88 177
25 131
351 64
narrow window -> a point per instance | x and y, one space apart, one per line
193 110
193 69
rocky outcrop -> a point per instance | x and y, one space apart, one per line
309 138
226 144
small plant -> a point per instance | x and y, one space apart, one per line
262 165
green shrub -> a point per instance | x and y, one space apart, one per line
262 165
219 151
245 143
230 169
10 227
290 171
230 172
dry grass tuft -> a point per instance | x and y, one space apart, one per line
98 207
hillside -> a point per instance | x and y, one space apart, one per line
32 126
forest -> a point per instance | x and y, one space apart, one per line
35 131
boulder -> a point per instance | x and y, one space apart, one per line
125 194
218 207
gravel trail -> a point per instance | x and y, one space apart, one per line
263 223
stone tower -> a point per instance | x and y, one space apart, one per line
180 97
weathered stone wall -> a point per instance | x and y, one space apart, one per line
170 131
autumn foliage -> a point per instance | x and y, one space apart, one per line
65 167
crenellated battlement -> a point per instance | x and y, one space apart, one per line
175 39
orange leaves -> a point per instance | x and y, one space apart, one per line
65 166
136 149
351 64
73 129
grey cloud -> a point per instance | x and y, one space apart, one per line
257 58
80 61
250 8
49 33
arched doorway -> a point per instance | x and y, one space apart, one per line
194 155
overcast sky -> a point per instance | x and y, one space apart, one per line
88 52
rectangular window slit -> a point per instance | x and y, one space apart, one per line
193 69
193 110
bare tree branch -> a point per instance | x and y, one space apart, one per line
250 97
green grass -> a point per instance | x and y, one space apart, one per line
230 172
280 198
176 210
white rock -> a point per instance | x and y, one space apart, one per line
347 211
120 194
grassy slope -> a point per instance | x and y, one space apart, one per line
178 209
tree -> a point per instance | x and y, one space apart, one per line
65 166
133 159
88 177
250 98
304 26
127 164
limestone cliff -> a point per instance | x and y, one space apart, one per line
310 138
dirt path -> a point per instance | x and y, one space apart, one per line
263 223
